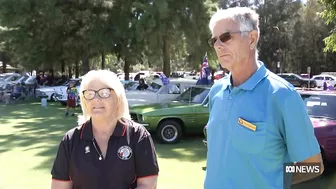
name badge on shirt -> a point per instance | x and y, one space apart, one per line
247 124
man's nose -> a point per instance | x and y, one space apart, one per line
219 44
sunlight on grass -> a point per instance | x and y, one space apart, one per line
184 152
20 172
176 175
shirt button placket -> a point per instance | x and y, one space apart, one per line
230 101
228 106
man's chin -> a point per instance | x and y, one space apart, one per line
226 64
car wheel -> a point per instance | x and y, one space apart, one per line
303 85
53 98
169 132
63 103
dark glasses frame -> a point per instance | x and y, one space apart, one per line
224 37
97 93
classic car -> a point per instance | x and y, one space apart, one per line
298 81
158 92
186 114
51 92
321 107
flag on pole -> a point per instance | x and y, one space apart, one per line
205 73
164 79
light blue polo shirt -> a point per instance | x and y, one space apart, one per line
240 158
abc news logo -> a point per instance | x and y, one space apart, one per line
303 168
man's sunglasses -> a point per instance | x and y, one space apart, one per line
102 93
224 37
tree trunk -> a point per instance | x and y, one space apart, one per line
3 58
77 69
4 65
70 71
63 67
86 66
126 68
103 60
166 57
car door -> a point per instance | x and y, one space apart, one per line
202 115
331 81
319 80
294 80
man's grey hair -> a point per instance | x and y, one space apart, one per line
245 17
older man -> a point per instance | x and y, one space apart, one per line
257 120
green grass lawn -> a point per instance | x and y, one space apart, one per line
30 134
29 138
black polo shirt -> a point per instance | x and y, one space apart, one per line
130 155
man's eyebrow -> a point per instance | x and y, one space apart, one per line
225 31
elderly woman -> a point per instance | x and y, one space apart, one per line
107 150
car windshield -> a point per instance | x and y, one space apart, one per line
170 88
12 78
154 87
298 76
320 106
193 95
131 86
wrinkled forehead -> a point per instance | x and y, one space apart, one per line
223 26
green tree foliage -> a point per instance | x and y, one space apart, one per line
162 35
329 14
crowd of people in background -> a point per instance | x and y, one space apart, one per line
48 79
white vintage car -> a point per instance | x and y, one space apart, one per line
49 92
159 93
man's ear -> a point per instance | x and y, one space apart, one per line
253 36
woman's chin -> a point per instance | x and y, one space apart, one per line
98 114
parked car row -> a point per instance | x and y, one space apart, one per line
8 80
57 93
305 82
298 81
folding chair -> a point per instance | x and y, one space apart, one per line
18 94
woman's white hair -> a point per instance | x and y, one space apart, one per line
245 17
111 80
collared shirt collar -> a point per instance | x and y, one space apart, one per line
87 134
252 82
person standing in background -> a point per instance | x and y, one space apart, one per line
72 93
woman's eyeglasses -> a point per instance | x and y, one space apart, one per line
224 37
102 93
